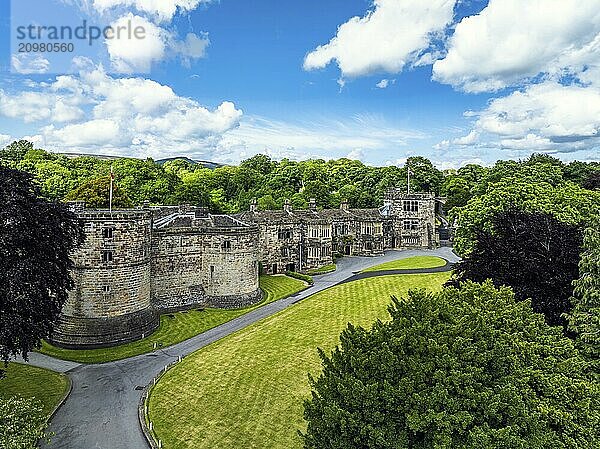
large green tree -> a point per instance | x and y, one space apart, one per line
466 368
533 253
584 319
96 194
36 239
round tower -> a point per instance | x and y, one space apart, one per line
110 303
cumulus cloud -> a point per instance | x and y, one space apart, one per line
393 34
129 54
128 116
162 10
137 55
29 63
37 106
385 83
541 117
512 41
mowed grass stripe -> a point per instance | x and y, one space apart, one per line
409 263
178 327
247 389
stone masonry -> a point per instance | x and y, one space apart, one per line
138 263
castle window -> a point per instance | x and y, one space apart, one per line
369 246
411 206
107 256
107 233
367 228
285 252
326 251
410 225
106 289
284 234
313 252
226 245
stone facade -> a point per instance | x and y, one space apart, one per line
301 240
137 263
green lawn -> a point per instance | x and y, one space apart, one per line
409 263
246 390
323 270
31 382
178 327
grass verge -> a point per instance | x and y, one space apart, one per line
29 381
322 270
177 327
409 263
247 389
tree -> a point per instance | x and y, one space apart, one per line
592 182
465 368
16 151
533 253
568 203
96 194
36 238
22 423
584 321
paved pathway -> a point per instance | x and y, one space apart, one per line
101 411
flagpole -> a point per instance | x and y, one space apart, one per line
408 183
110 196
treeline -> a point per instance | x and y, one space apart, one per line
230 189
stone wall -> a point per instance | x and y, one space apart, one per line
211 267
111 300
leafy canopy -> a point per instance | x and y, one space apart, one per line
36 239
466 368
533 253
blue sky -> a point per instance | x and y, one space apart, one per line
455 81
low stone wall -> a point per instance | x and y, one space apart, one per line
93 333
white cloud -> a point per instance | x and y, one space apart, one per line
126 116
129 55
134 55
385 83
162 10
469 139
541 117
37 106
395 33
28 63
5 139
511 41
356 155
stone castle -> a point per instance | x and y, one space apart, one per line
138 263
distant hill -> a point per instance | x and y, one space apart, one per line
206 164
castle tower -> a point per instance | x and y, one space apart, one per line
413 219
110 303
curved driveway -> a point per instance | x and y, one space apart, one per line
101 411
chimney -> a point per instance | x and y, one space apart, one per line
344 206
312 204
146 204
253 205
287 206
